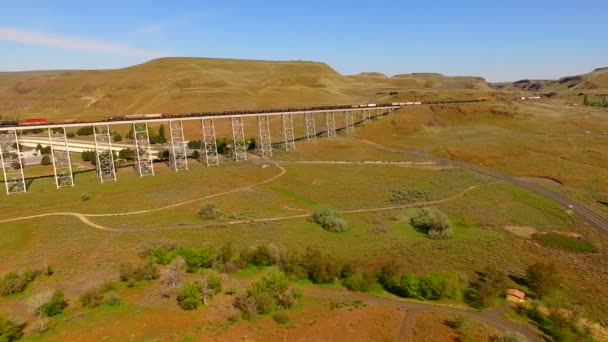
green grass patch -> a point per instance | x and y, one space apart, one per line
294 196
566 242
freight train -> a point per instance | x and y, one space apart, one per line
130 117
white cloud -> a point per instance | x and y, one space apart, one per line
151 29
71 43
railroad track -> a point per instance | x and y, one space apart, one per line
597 221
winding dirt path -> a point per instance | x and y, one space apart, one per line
84 218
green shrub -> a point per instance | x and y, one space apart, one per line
111 298
10 331
570 243
56 305
209 212
433 222
85 130
281 318
46 160
406 286
558 325
70 135
330 219
359 282
433 286
511 336
16 283
259 256
271 292
457 322
189 297
195 258
320 267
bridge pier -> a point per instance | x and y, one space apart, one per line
209 143
348 122
11 163
290 143
330 124
145 164
309 123
366 116
62 165
179 156
103 153
265 144
238 138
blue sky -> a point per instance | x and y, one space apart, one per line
499 40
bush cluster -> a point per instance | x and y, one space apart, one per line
432 286
132 273
209 212
10 331
196 293
559 325
195 258
103 294
55 305
15 283
270 293
330 219
433 222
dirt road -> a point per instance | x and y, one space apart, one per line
493 317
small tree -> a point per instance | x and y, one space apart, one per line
542 278
493 282
117 137
330 219
433 222
46 160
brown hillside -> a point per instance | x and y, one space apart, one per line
202 84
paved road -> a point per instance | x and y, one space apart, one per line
596 220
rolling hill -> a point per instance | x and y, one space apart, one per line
205 84
595 82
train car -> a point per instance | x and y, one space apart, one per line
9 123
371 105
32 122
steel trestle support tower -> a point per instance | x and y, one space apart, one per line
331 124
309 122
62 165
348 122
145 164
11 163
103 153
238 138
290 143
366 116
265 148
179 157
209 143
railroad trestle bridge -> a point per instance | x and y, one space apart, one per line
12 163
